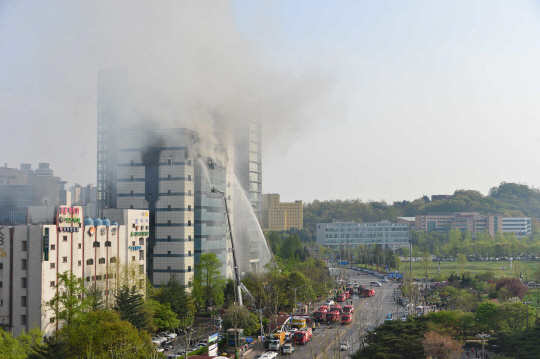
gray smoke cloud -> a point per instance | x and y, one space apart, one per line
187 65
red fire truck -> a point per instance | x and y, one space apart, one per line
346 318
336 307
319 316
342 297
350 290
348 309
303 336
332 317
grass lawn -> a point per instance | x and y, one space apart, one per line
500 268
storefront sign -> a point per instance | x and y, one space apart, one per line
68 210
135 248
113 231
69 220
68 229
138 234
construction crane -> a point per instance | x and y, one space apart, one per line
230 236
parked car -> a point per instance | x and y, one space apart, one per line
344 346
169 335
287 349
329 302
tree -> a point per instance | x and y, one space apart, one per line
95 297
162 315
51 348
130 307
462 259
174 294
208 283
102 334
441 346
513 285
487 316
20 347
416 252
70 300
238 317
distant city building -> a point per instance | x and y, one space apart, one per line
281 216
60 239
340 234
473 222
407 220
24 187
86 197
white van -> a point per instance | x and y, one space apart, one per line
375 284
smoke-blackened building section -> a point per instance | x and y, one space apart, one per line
156 172
210 231
111 110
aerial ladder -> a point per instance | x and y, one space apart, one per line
228 229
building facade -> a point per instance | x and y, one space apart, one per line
33 255
281 216
85 196
473 222
340 234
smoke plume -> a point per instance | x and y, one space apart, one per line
187 64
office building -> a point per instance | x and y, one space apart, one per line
111 114
24 187
60 239
85 196
473 222
520 226
385 234
281 216
248 156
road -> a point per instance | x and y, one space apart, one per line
369 312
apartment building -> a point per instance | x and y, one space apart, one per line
340 234
60 239
281 216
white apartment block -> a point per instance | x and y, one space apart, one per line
57 240
521 226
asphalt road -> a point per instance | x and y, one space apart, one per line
369 312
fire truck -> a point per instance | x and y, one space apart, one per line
319 316
348 309
346 318
303 336
342 297
332 317
336 307
350 290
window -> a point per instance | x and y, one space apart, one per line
23 283
141 255
64 259
52 284
141 269
102 261
23 245
1 284
89 262
168 269
131 193
130 207
169 208
52 320
131 163
23 264
88 279
133 243
169 161
189 268
133 225
189 162
1 265
53 247
189 238
95 244
168 253
189 208
168 238
189 192
107 243
169 223
23 319
131 178
98 277
23 301
133 258
189 177
113 260
79 263
169 177
141 241
53 265
189 223
64 238
189 253
169 192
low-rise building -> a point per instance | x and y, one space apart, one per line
59 239
521 226
281 216
340 234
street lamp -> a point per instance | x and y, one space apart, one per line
483 336
295 289
410 259
527 303
260 317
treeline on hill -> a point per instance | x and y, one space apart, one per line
508 199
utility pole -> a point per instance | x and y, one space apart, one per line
295 289
527 303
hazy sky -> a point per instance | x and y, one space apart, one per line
361 99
